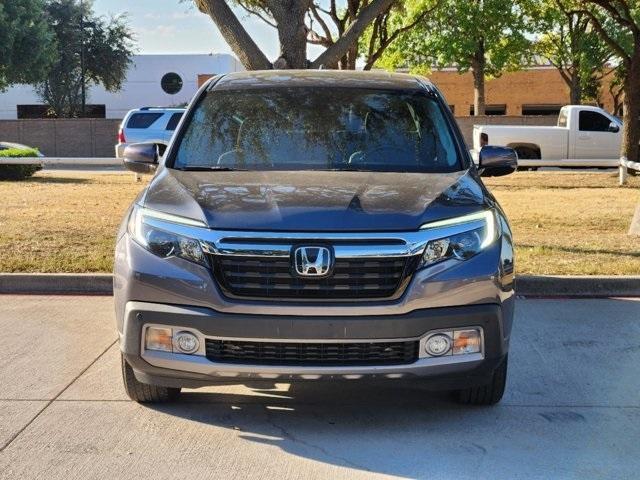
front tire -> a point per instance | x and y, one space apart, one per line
525 153
142 392
488 394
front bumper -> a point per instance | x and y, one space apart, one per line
180 370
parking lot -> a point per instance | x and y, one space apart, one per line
572 409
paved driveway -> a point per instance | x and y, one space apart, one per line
572 409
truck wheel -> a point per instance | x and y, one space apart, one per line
488 394
527 154
143 393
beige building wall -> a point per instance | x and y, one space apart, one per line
535 87
539 86
61 137
96 137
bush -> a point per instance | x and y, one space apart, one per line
18 172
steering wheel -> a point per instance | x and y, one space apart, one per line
379 154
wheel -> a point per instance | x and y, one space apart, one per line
488 394
143 393
525 153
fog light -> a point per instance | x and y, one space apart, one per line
158 339
466 341
186 342
438 345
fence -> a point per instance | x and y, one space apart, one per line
96 137
627 166
87 137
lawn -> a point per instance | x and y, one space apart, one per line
563 223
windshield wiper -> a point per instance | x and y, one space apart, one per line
211 168
347 169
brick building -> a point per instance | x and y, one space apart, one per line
535 91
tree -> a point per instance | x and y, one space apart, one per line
617 22
388 25
91 50
26 42
568 42
485 37
288 18
616 90
333 22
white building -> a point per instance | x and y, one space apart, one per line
152 80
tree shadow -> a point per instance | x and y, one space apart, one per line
513 187
559 386
342 423
635 254
59 180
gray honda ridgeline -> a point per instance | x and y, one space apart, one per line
315 225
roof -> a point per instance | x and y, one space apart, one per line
320 78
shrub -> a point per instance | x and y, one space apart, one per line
18 172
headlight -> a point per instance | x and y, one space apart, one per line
473 233
164 243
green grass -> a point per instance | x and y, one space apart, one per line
571 223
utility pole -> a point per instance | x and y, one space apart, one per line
83 92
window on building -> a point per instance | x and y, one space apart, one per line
143 120
44 111
203 77
551 110
593 122
171 83
490 110
33 111
174 120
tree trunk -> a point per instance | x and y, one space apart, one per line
335 52
477 68
234 34
292 32
575 88
631 103
352 57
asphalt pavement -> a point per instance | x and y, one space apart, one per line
572 408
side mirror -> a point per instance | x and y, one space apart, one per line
497 161
141 157
614 127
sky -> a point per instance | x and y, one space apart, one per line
169 26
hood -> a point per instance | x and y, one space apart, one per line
314 200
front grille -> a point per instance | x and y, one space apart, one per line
271 277
302 354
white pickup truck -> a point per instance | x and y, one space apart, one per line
584 137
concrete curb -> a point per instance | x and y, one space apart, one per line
526 285
577 286
57 283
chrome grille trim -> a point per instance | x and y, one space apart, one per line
268 250
345 244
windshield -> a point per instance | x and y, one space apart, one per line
318 129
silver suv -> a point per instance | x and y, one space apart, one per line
315 225
148 125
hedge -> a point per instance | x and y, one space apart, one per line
18 172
